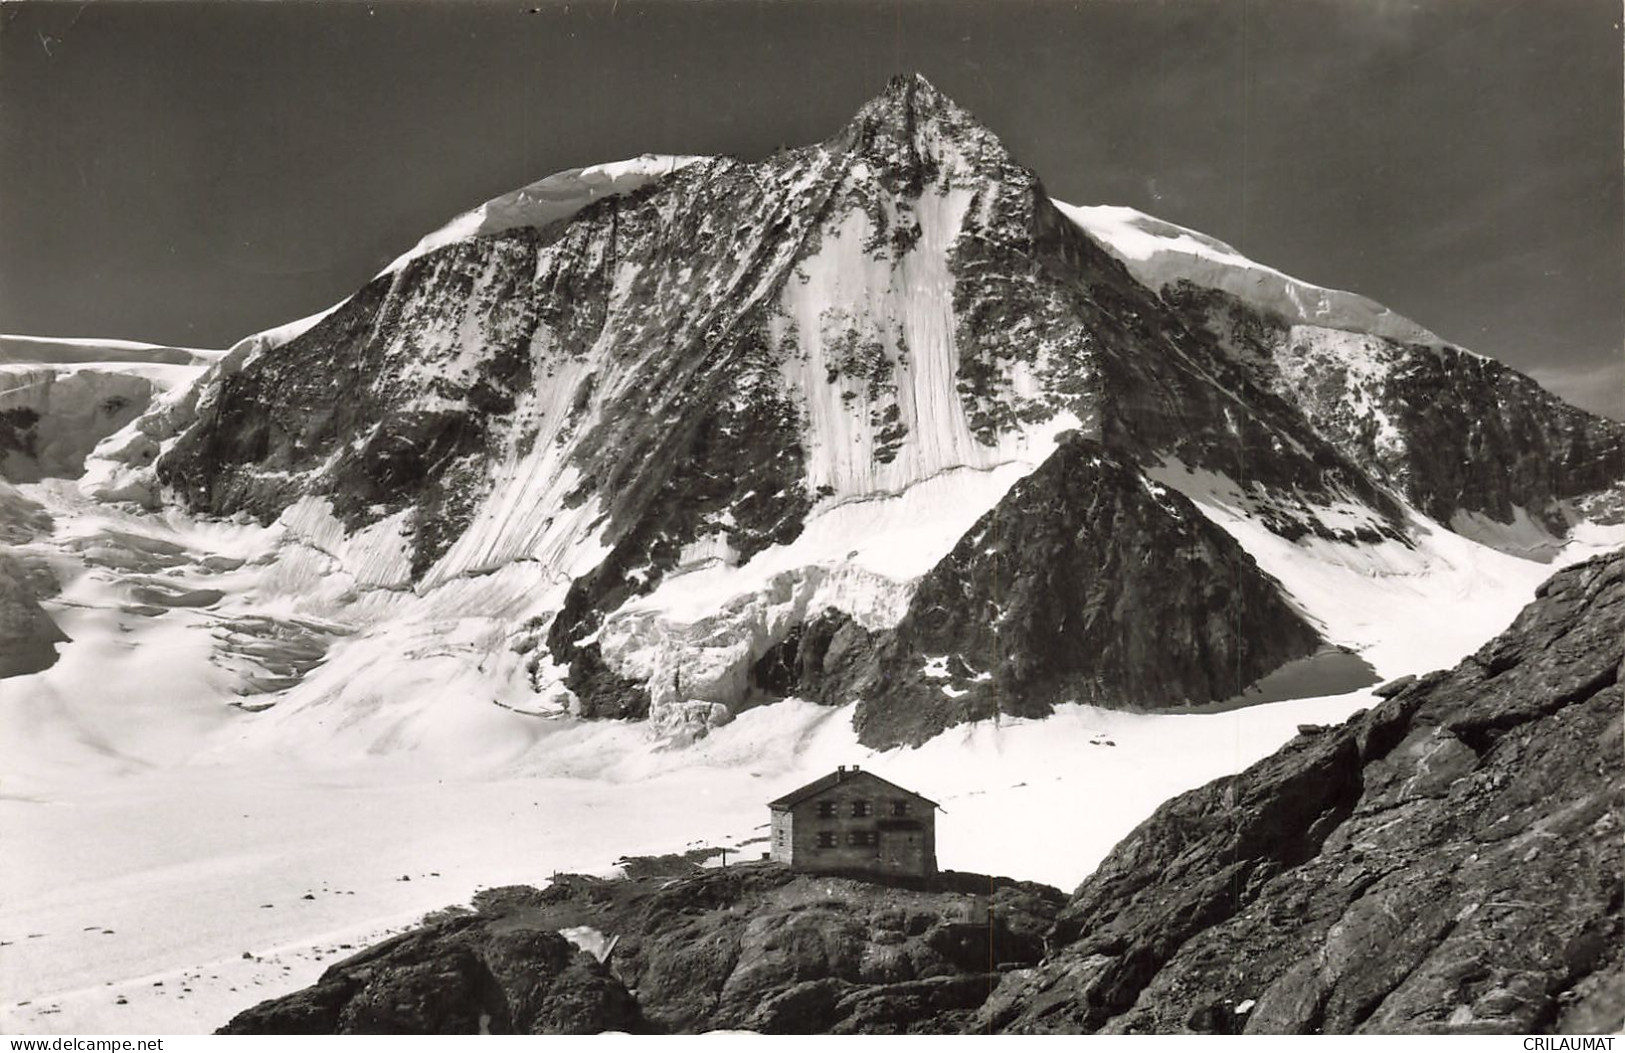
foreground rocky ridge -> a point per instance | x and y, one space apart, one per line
1449 861
751 946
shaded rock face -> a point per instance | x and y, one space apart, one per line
332 414
817 658
761 948
1087 583
21 518
1167 389
1449 861
463 976
752 947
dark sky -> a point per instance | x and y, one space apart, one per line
192 172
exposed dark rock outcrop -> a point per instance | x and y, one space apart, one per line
1087 583
1449 861
461 976
28 636
21 519
827 650
752 946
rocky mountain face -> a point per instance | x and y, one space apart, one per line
1028 610
467 975
1447 862
1396 407
28 636
721 430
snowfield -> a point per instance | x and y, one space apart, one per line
1159 253
549 200
174 856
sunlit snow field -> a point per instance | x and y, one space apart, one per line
170 859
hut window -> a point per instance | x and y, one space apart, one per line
860 837
826 839
860 809
899 808
826 809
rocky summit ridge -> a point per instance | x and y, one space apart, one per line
721 430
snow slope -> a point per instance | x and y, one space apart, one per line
1158 253
545 201
58 350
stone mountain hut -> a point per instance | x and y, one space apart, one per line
852 821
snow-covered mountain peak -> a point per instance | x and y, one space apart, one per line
907 98
548 200
1160 253
914 129
679 435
